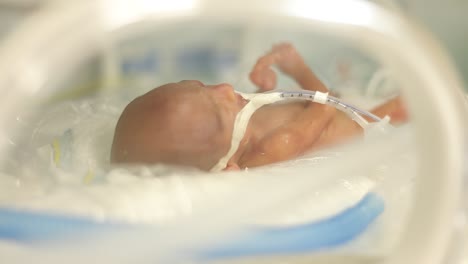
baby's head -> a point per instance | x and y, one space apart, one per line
185 123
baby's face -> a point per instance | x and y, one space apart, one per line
224 101
184 123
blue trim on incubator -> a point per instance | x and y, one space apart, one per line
320 235
34 228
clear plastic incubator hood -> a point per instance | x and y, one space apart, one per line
392 196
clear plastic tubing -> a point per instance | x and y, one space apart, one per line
318 97
259 99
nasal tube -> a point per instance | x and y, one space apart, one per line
354 113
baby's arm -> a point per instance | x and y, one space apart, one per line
288 60
305 129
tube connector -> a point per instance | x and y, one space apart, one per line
320 97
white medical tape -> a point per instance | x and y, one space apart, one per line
242 120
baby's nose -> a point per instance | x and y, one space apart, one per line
193 82
224 87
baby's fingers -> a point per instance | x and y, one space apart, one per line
264 78
262 75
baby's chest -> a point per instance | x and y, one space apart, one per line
271 117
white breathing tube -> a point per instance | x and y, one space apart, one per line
259 99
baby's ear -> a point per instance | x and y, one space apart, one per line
232 167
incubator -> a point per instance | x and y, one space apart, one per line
70 68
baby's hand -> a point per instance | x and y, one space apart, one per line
283 55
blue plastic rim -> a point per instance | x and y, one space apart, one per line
311 237
33 228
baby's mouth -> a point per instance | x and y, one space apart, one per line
241 101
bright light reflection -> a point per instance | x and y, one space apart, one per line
353 12
122 12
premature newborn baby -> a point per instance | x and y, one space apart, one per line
190 124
